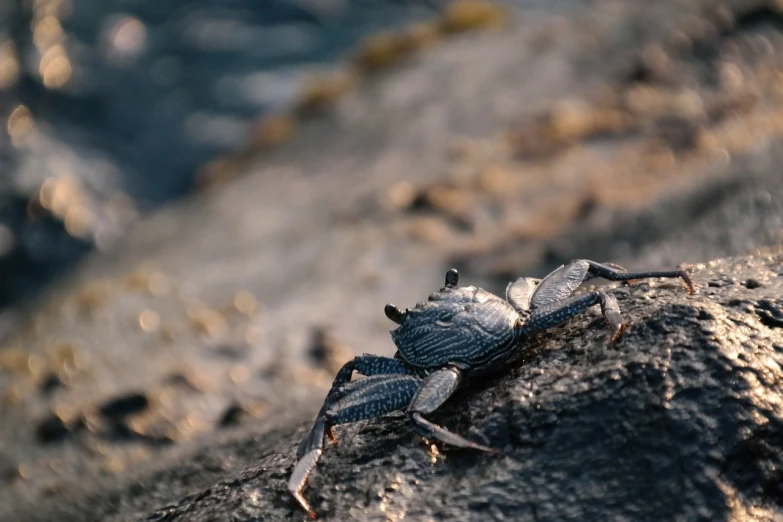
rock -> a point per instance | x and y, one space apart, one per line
240 413
8 469
326 351
125 405
50 383
234 415
53 428
182 382
312 233
681 421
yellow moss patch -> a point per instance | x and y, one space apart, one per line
465 15
272 131
322 91
374 53
378 51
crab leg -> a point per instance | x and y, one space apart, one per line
364 364
610 272
364 399
436 390
613 266
562 282
553 314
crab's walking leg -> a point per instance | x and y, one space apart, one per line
562 282
553 314
363 364
613 266
434 391
610 272
363 399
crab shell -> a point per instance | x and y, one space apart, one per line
467 326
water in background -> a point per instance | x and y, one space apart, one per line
110 106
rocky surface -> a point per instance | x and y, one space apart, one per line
681 421
197 351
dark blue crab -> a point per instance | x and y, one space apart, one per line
456 335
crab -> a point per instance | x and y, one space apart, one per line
457 335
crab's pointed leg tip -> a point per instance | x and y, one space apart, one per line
302 502
686 278
616 337
299 476
486 449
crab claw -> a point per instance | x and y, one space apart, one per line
298 479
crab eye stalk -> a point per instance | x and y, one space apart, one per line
394 313
452 278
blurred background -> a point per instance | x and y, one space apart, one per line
204 206
110 108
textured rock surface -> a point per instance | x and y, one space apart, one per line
116 393
681 421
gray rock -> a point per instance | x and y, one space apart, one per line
681 421
317 233
314 232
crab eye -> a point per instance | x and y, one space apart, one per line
394 313
452 278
